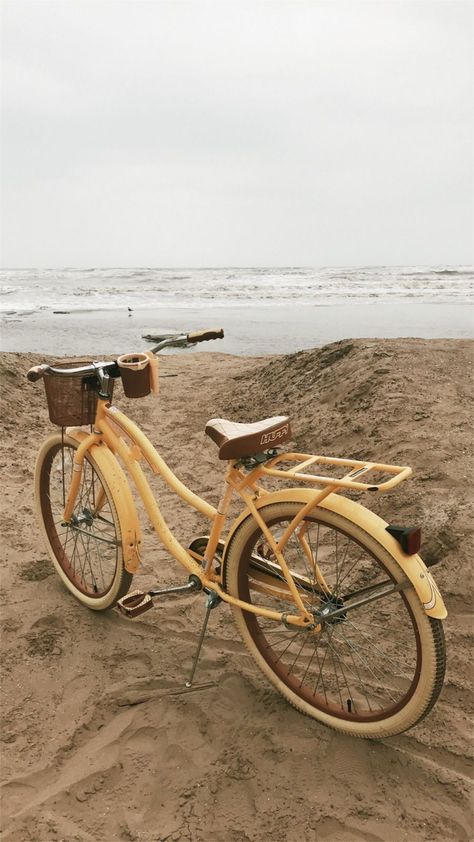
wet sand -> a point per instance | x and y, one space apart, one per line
232 761
249 330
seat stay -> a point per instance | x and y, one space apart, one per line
248 500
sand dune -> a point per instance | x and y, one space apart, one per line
99 741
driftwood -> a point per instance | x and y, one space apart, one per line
152 337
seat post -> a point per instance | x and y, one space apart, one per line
220 518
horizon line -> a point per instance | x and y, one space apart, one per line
89 268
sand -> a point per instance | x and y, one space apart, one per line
231 761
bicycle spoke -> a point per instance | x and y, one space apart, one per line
373 646
351 694
368 666
331 649
305 640
286 647
320 674
357 674
353 566
308 666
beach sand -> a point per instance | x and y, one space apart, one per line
233 761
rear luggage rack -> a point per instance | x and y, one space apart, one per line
358 468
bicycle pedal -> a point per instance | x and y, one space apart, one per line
134 603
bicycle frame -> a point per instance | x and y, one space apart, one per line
127 442
110 426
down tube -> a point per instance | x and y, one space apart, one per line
153 511
163 531
155 461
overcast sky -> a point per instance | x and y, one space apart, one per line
231 133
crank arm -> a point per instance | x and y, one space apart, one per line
194 584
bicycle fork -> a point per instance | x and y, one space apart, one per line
77 467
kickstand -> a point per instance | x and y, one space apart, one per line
212 600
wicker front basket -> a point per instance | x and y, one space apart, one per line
71 400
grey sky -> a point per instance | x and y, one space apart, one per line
234 133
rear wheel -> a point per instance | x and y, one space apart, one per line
87 551
370 671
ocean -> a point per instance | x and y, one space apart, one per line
263 311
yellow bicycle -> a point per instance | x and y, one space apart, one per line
334 604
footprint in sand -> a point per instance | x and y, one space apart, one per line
124 665
45 637
35 571
15 795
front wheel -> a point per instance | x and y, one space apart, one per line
87 551
370 671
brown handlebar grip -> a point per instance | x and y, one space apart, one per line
36 373
204 335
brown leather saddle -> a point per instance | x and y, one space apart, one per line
239 440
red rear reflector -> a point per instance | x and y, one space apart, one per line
409 537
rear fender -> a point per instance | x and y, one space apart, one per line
412 565
123 500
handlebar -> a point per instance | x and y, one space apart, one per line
205 335
37 372
111 368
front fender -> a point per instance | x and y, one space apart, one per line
127 514
412 565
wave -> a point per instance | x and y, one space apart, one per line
460 272
141 288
